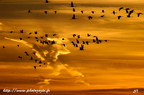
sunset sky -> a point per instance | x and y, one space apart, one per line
115 64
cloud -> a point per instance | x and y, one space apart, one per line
49 54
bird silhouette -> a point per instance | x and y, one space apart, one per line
21 38
26 53
36 37
78 36
93 12
76 45
73 17
20 57
45 12
21 31
34 53
30 33
31 58
11 31
94 40
138 14
114 12
82 12
82 47
74 35
40 62
131 11
72 4
77 40
73 9
127 10
53 42
102 15
120 8
87 42
18 45
36 32
3 46
88 35
64 45
103 11
54 34
129 15
29 11
119 17
83 42
90 17
55 12
46 1
41 37
36 60
46 35
34 67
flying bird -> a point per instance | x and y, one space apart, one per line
82 12
20 57
31 58
21 31
3 46
114 12
73 9
88 35
90 17
87 42
46 35
46 1
130 12
127 10
30 33
35 32
11 31
45 12
119 17
55 12
20 38
72 4
138 14
40 62
26 53
64 45
34 67
28 37
73 17
74 35
29 11
102 15
36 37
128 15
78 36
103 11
54 34
120 8
93 12
82 47
18 45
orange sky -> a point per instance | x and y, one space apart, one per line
117 63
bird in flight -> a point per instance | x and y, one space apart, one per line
138 14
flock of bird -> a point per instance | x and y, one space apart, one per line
77 38
42 40
127 10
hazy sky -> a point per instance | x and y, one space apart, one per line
117 63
